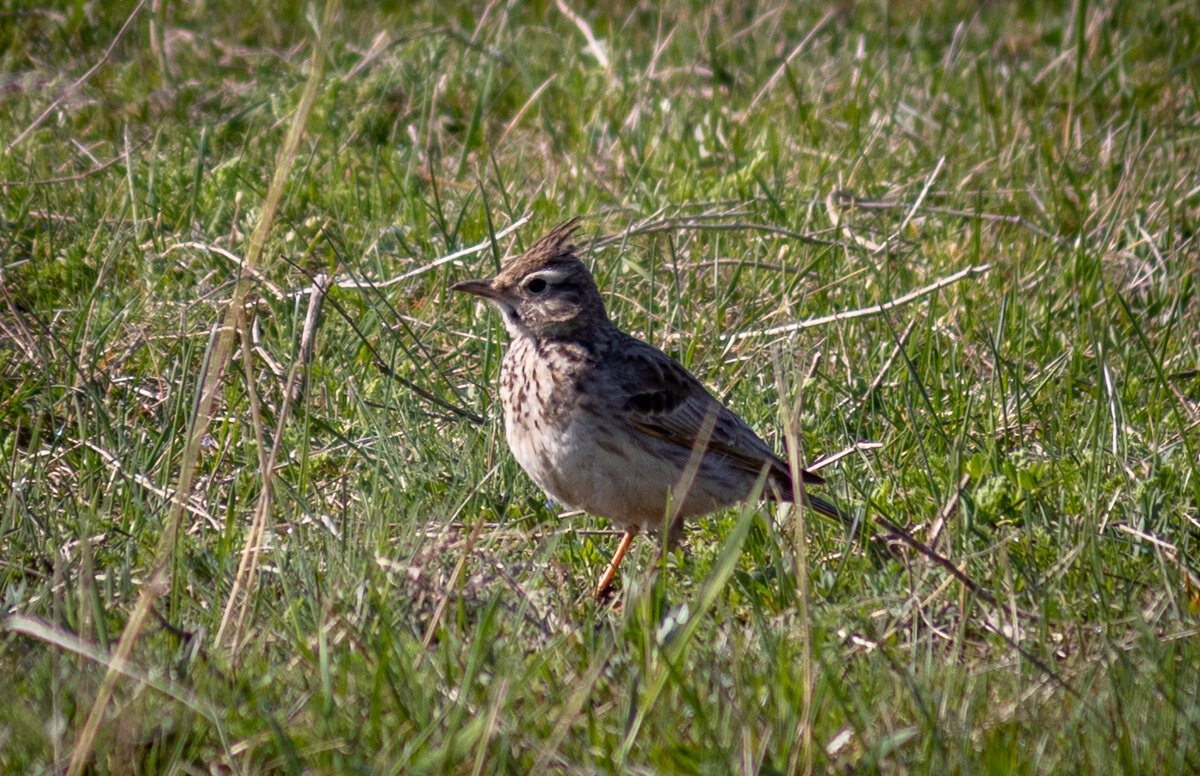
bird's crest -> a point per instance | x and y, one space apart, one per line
552 248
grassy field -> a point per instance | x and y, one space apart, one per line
963 231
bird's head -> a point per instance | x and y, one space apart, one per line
544 292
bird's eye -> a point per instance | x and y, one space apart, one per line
536 286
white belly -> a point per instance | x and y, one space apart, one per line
584 453
611 472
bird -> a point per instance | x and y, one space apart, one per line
608 424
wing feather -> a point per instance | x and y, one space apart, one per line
661 398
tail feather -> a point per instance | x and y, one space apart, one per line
818 504
781 489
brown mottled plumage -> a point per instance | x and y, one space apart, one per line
604 422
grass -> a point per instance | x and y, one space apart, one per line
418 606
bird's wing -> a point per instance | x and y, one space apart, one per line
661 398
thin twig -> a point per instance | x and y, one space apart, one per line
166 494
247 573
465 414
1169 551
208 381
516 119
945 563
382 366
693 223
887 365
100 167
779 71
800 551
935 530
158 581
238 261
354 282
79 81
593 45
864 312
912 211
828 460
848 198
308 335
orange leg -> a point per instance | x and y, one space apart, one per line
611 572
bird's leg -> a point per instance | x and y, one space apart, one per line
611 572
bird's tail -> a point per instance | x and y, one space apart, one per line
780 489
818 504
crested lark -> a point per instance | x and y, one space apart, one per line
606 423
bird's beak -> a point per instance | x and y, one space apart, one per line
482 288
